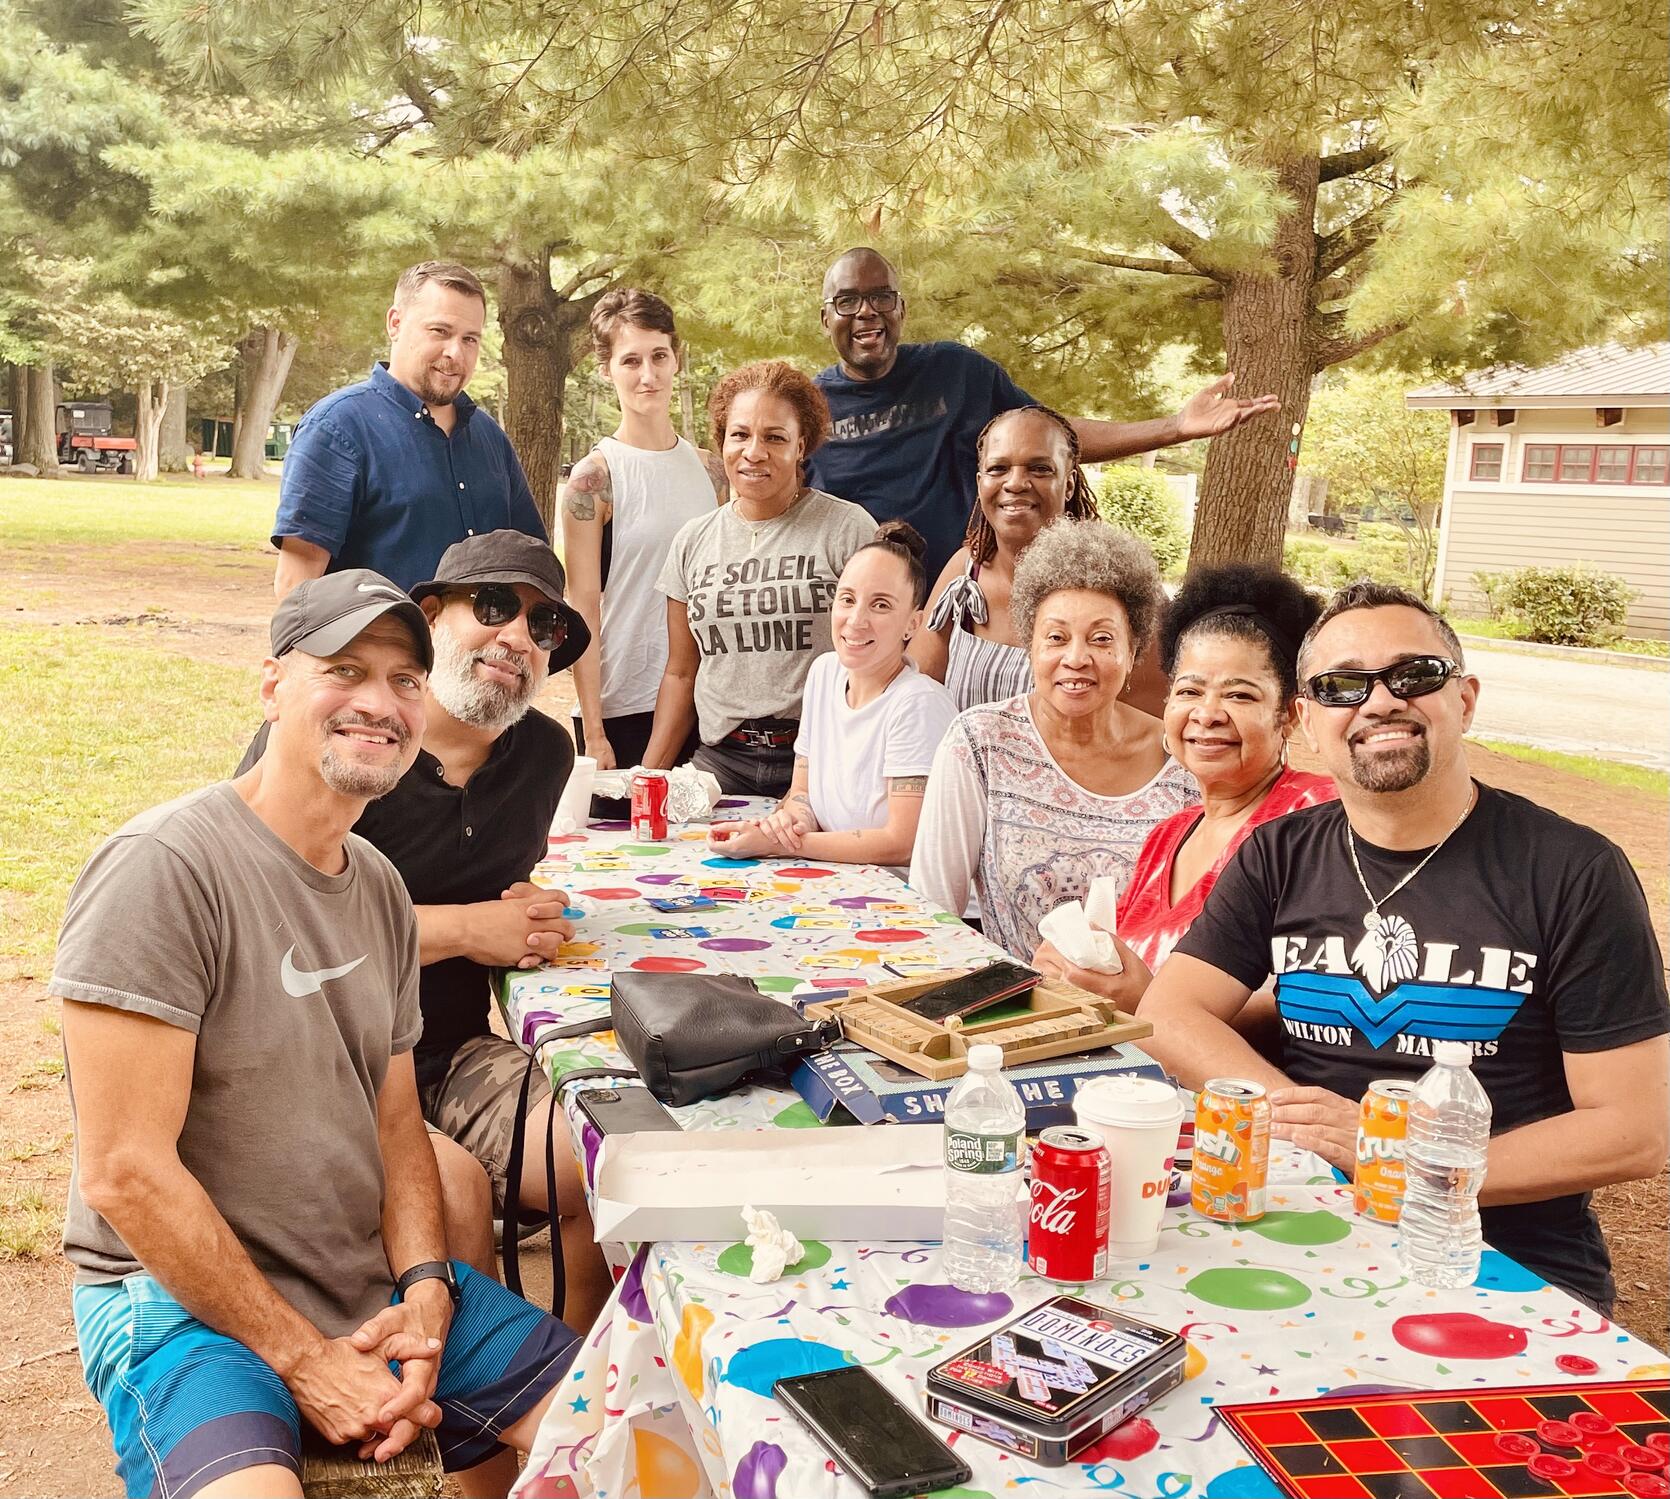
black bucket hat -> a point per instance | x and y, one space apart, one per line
511 557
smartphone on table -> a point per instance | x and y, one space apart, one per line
972 992
624 1111
872 1435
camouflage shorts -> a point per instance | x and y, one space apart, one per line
475 1103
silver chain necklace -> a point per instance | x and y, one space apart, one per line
1372 917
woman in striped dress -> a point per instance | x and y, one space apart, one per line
1028 476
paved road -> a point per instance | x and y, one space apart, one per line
1583 708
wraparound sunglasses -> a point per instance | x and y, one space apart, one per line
1346 687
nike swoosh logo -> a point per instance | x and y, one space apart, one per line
382 588
299 982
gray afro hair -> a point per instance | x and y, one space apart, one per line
1089 555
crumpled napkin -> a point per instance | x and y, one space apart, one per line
691 794
1083 933
775 1248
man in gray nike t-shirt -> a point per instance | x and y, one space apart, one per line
253 1182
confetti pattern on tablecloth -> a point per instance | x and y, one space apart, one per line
1308 1301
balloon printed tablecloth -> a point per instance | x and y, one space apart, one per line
671 1393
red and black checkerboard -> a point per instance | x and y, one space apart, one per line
1572 1440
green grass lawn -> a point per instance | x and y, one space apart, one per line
1608 772
175 510
97 728
1494 629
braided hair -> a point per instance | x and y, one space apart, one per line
979 538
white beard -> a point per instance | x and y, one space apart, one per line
481 705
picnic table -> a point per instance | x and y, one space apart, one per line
671 1394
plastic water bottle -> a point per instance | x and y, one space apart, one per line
1444 1164
985 1148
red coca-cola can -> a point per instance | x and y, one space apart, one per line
649 805
1071 1188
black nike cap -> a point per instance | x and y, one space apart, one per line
322 615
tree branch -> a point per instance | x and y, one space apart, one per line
599 269
1350 163
1332 348
1138 263
1349 241
1185 244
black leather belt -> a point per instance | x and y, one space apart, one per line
755 736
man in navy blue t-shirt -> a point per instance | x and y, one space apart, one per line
906 416
390 472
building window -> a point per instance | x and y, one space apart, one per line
1487 461
1612 465
1577 464
1541 459
1652 466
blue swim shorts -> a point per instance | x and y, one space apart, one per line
188 1405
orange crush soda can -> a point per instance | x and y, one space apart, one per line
1381 1128
1232 1150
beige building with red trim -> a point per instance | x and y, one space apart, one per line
1561 465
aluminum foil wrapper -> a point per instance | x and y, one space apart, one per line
691 794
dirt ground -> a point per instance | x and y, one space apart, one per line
52 1438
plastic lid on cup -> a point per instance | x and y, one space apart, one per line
1452 1053
1127 1100
985 1057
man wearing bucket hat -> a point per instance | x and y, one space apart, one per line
255 1216
465 827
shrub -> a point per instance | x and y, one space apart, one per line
1139 501
1381 552
1560 605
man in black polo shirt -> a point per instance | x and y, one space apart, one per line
465 827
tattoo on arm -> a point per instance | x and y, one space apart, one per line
716 473
587 485
907 786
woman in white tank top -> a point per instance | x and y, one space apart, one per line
621 508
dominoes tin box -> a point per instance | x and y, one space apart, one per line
1055 1379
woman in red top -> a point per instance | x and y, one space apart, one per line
1230 645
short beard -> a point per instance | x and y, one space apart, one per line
481 705
1396 772
430 396
349 777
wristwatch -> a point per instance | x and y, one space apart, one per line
440 1270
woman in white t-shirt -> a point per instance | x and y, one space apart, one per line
870 723
621 508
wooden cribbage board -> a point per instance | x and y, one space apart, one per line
1061 1020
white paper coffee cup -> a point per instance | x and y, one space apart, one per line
1137 1118
574 805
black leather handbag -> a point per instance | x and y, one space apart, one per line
694 1036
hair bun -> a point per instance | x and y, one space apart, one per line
902 533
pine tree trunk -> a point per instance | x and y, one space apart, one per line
151 403
39 442
1268 342
173 447
540 331
265 356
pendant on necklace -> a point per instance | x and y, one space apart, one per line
1371 919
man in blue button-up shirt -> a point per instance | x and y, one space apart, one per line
389 473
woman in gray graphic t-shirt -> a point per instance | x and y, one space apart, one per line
749 587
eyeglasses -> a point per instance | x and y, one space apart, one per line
496 604
1346 687
847 303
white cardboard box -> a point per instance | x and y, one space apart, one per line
885 1183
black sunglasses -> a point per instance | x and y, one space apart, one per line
497 604
847 303
1346 687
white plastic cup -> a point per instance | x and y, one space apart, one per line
574 805
1137 1118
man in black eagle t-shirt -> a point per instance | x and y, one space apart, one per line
1423 906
